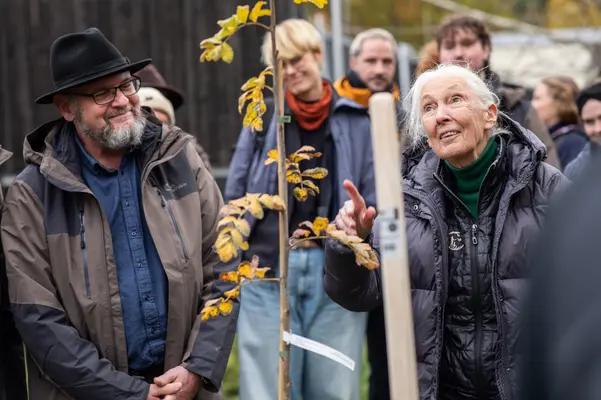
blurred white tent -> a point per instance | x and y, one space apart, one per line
524 59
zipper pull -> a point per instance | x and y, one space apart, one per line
474 232
82 230
161 197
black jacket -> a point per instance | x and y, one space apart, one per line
511 214
562 316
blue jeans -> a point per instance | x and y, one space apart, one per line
312 315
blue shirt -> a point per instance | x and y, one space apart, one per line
142 279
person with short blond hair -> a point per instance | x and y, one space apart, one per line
339 129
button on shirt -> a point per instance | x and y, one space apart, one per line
142 280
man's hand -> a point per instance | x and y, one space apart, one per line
354 217
190 382
166 392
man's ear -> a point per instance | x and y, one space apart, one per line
65 106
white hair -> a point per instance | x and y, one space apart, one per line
373 33
412 103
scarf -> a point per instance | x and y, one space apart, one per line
310 116
353 88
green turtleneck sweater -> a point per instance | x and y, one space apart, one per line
469 179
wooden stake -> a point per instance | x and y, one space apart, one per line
400 341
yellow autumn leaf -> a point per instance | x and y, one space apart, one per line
316 173
278 203
251 83
225 221
258 11
243 226
266 200
318 3
310 185
255 207
293 176
272 156
242 14
242 100
227 251
230 24
260 272
319 225
231 276
226 307
238 239
298 157
257 124
227 53
245 270
300 194
223 237
210 43
234 293
209 312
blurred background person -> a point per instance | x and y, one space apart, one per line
165 103
466 40
428 58
554 100
588 103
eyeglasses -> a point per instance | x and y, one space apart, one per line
106 96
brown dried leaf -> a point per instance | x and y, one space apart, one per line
301 233
365 255
278 203
309 184
341 236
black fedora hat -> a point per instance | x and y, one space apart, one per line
82 57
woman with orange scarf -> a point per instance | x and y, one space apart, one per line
339 129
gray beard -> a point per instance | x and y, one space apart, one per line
111 138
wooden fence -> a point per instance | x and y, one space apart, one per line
168 31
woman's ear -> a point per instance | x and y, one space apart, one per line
492 113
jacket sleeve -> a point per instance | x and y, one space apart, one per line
237 178
210 342
533 123
352 286
70 362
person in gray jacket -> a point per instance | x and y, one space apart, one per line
473 206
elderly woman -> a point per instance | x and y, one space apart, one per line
473 209
555 102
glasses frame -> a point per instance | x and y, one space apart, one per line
114 91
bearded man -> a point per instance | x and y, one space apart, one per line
108 234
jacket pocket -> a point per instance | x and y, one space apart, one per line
84 254
165 205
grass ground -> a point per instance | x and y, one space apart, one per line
230 382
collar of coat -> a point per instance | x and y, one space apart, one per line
522 153
52 147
